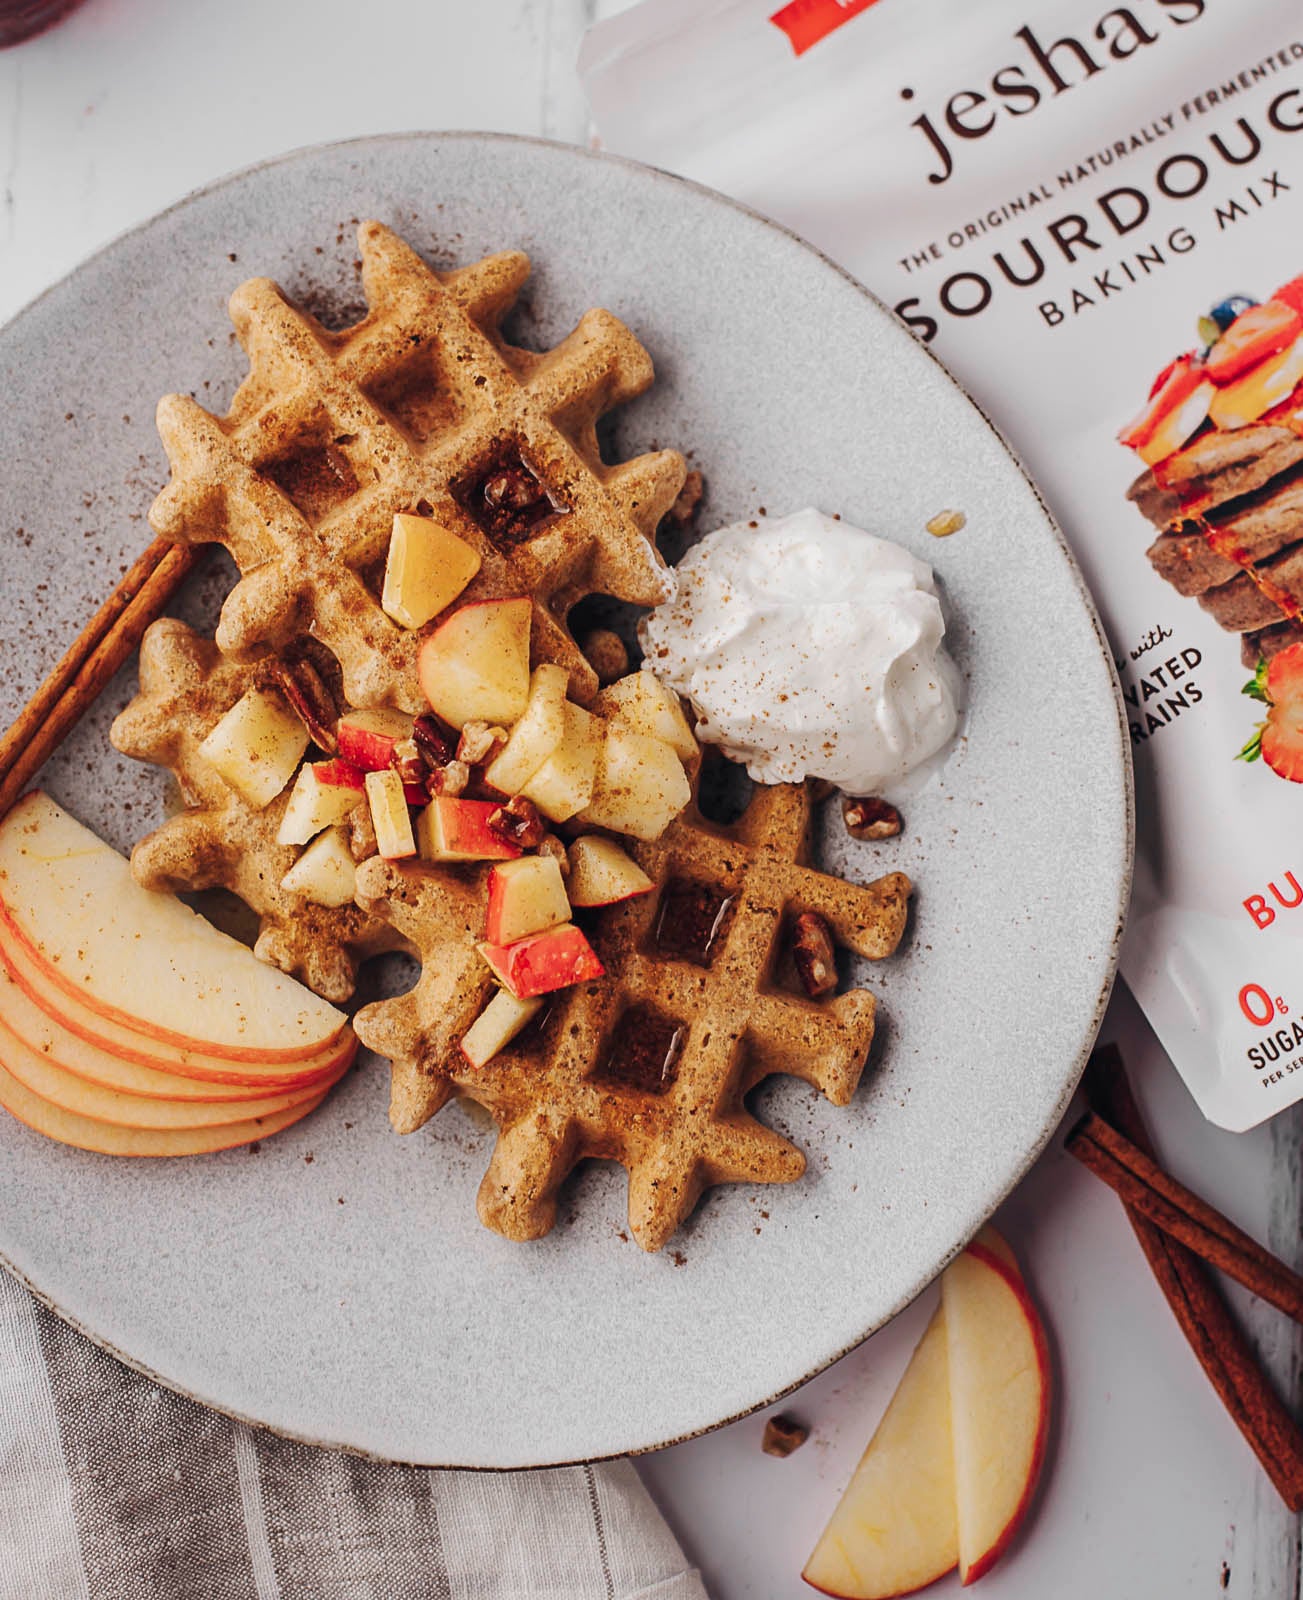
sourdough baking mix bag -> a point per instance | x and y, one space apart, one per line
1094 215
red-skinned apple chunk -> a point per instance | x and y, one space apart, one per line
544 961
367 738
458 830
474 667
323 795
525 896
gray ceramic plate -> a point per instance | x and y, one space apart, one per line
336 1285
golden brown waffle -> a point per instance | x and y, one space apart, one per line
650 1066
220 840
417 406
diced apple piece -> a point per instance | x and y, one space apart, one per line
525 896
999 1402
325 873
256 746
475 666
642 703
895 1528
69 903
458 830
323 795
367 738
389 815
544 961
427 567
564 783
536 735
641 786
602 873
496 1026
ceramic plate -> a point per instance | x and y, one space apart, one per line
336 1284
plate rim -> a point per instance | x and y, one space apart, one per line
1125 877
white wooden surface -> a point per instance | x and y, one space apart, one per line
1150 1493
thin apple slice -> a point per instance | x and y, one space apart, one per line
74 1017
52 1040
474 667
145 959
895 1529
536 735
999 1401
67 1127
44 1077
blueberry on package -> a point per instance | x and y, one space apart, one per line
1092 215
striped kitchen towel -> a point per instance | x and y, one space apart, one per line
114 1489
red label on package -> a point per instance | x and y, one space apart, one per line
805 22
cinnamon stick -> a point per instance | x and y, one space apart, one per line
90 661
1220 1347
1214 1238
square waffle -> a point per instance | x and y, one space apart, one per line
651 1065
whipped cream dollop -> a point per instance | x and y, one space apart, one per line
809 648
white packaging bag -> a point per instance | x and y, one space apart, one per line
1057 199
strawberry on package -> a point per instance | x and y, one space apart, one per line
1093 218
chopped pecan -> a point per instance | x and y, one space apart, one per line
814 954
362 833
606 654
512 488
434 739
518 822
867 817
450 779
479 743
783 1435
410 765
550 845
310 699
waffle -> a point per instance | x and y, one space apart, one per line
650 1066
1229 507
417 407
220 840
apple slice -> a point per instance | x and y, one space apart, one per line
525 896
67 1050
999 1401
642 703
367 738
895 1528
84 1133
325 873
427 567
602 873
536 735
564 783
60 1087
323 795
543 962
475 666
145 959
496 1026
458 830
256 746
641 786
390 817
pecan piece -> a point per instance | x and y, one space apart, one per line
867 817
814 954
450 779
512 488
518 822
310 699
606 654
479 743
436 742
783 1435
